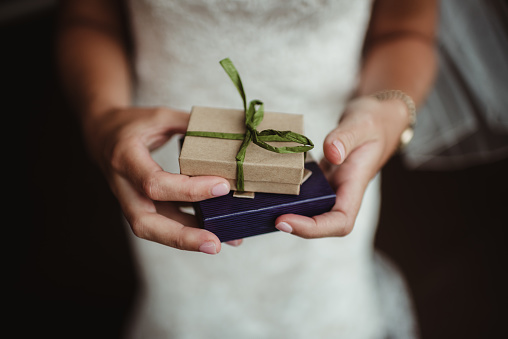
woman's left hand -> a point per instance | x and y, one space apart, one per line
366 137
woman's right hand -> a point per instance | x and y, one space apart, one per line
120 142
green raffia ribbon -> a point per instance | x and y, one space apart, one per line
253 116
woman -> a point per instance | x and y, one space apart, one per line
302 57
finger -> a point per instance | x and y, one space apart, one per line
155 227
354 130
163 223
350 181
140 168
132 158
172 211
338 222
164 125
175 187
309 228
235 243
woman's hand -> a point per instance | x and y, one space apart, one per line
121 143
367 135
398 54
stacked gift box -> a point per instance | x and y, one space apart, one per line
274 173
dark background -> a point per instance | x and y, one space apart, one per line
448 232
69 265
70 272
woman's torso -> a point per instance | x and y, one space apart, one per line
298 57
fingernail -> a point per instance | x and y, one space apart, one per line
220 189
340 148
284 227
234 242
208 248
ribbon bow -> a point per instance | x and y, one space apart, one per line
254 114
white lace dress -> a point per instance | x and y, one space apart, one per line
298 57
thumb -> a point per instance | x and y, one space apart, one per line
354 130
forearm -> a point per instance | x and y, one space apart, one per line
404 64
92 59
399 50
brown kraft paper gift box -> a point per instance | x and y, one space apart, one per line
264 171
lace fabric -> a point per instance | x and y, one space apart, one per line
298 57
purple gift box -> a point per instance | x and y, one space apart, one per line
232 218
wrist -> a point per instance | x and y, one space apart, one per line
98 127
410 113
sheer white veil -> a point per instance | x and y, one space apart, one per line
465 119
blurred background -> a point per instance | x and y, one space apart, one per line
444 214
70 269
70 272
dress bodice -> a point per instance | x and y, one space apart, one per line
298 56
